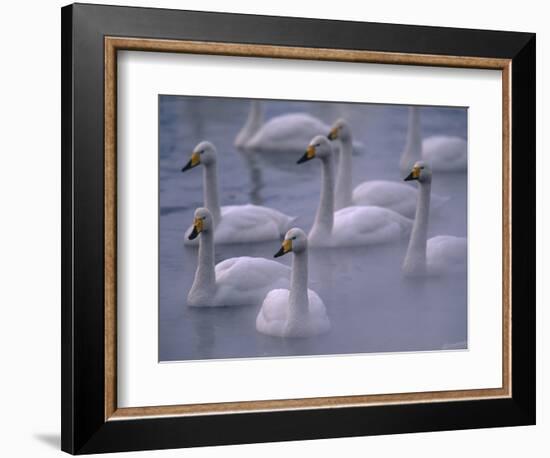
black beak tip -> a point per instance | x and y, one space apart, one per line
194 234
409 177
303 159
279 253
187 167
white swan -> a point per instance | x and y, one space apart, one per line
444 153
439 255
298 312
235 281
396 196
234 223
286 133
353 225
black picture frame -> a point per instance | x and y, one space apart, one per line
84 427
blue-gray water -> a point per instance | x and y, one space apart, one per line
371 307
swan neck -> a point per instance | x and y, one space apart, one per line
324 219
210 191
205 275
253 123
415 261
255 117
343 196
298 299
413 145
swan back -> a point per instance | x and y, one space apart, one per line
286 133
273 317
446 153
446 254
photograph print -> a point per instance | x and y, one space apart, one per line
307 228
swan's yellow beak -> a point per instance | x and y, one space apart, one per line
333 134
193 162
197 228
414 175
285 248
308 155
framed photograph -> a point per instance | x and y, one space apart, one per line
280 228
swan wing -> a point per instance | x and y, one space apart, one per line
446 253
317 312
256 213
368 225
251 223
445 153
275 305
396 196
250 272
246 280
273 318
287 133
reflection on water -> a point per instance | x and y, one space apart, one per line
371 307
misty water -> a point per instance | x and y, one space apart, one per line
372 308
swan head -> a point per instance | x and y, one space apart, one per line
420 172
340 131
204 153
318 147
295 240
202 222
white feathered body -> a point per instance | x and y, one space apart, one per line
446 254
241 281
445 153
274 318
358 225
289 133
395 196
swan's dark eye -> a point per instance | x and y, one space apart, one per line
422 168
294 238
202 151
317 145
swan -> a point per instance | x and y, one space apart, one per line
234 223
353 225
235 281
282 134
298 312
444 153
396 196
439 255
